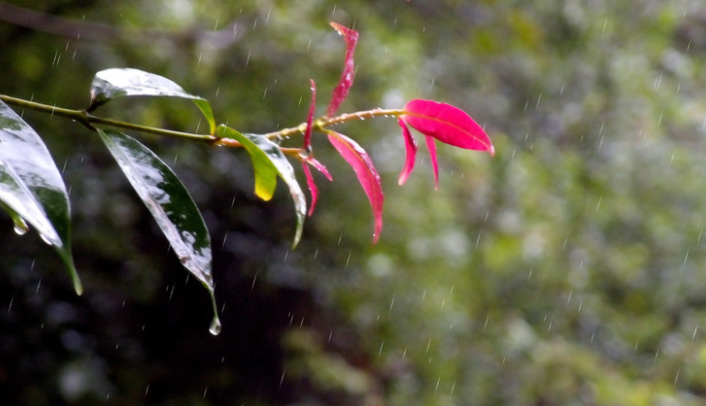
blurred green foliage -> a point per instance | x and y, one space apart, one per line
568 270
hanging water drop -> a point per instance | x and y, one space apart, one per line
21 226
215 328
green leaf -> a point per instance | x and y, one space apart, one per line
31 187
169 203
113 83
265 171
268 160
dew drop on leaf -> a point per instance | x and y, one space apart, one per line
21 227
215 328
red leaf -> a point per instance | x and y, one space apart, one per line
447 124
434 164
310 179
367 175
344 84
310 117
411 147
312 188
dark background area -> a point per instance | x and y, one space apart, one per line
567 270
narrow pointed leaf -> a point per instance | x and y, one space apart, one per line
447 124
310 117
319 166
432 156
411 148
306 161
113 83
313 190
344 84
169 203
367 175
31 186
262 151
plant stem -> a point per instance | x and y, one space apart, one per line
89 120
323 122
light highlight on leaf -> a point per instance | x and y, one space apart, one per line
113 83
367 175
31 186
169 203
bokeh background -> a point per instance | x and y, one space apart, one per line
569 269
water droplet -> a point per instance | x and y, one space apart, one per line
21 227
215 328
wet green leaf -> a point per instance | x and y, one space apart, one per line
113 83
268 160
265 171
32 188
169 203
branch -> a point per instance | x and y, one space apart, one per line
78 29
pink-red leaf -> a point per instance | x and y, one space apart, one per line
310 117
312 188
411 148
447 124
432 156
344 84
310 179
367 175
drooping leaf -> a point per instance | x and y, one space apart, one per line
310 117
113 83
447 124
309 160
32 188
411 148
344 84
367 175
169 203
313 190
432 156
261 151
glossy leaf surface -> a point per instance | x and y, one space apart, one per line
367 175
447 124
113 83
32 188
266 156
169 203
346 81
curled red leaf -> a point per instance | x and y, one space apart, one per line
344 84
306 161
447 124
411 148
367 175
